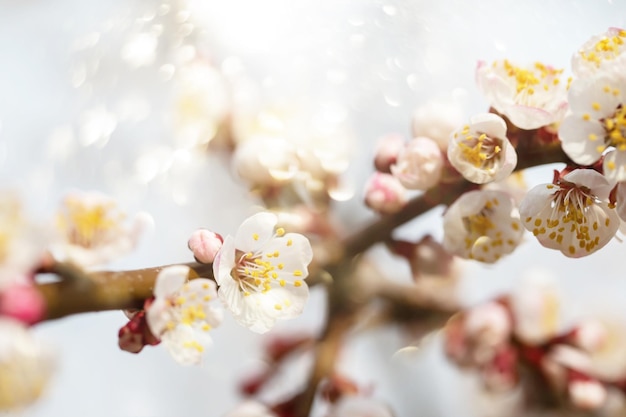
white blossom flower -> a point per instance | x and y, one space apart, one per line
261 272
92 230
530 97
481 151
419 164
25 366
572 216
535 307
482 225
181 314
605 52
384 193
597 124
20 245
603 340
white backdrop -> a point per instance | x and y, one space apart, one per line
74 113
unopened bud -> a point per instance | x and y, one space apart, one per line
205 244
387 150
384 193
587 395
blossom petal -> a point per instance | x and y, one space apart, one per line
170 280
581 139
224 261
255 231
614 165
183 344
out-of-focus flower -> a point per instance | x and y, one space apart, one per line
359 406
535 309
92 230
205 244
514 185
573 215
261 272
437 120
603 341
475 336
250 409
20 248
482 225
481 151
419 164
587 394
202 102
597 124
387 150
530 97
266 161
25 366
384 193
605 52
182 314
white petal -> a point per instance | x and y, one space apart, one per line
170 280
158 316
490 124
621 200
224 261
255 231
586 93
614 166
582 140
184 345
596 182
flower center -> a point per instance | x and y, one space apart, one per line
479 224
87 225
482 150
605 49
527 81
615 128
253 273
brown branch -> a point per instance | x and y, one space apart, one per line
105 290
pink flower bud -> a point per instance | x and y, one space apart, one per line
205 244
419 164
387 150
22 302
384 193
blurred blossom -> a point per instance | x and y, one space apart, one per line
514 185
437 120
587 394
601 53
140 49
535 306
92 230
419 164
603 341
481 152
387 150
482 225
265 161
384 193
25 366
573 215
596 127
261 273
530 97
21 245
182 313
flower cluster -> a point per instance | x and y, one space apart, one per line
524 329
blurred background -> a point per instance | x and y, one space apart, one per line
88 97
